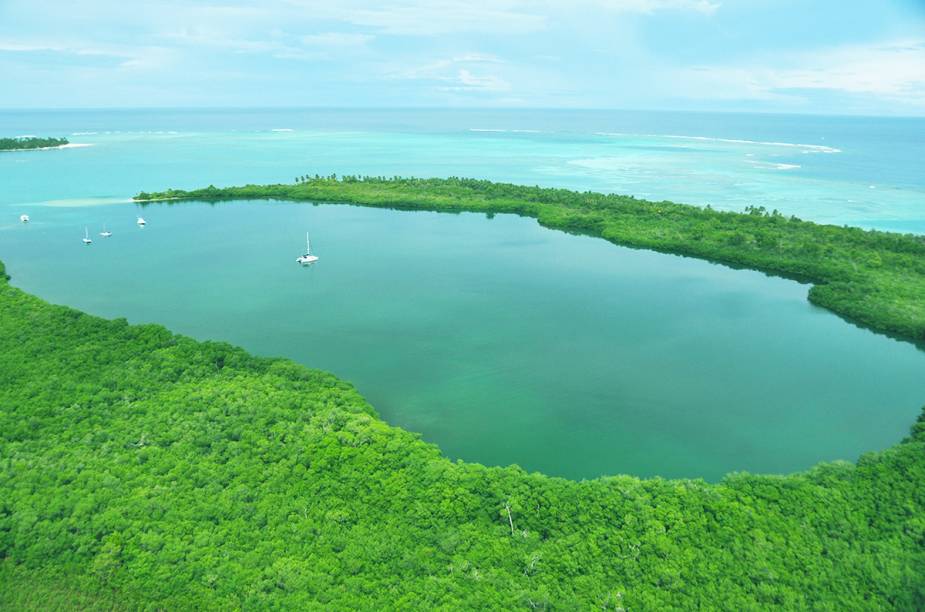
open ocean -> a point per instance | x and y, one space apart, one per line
845 170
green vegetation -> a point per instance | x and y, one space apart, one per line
144 470
30 142
28 590
874 279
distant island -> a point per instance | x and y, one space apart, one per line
872 278
27 143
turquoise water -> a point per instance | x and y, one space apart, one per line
498 340
861 171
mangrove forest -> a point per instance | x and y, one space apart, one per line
140 469
25 143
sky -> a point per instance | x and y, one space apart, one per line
802 56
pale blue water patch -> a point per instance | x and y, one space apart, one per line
863 171
499 340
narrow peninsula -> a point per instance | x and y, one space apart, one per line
28 143
871 278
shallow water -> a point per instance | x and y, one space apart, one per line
498 340
856 170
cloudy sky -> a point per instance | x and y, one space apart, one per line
819 56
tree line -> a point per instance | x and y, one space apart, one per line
30 142
872 278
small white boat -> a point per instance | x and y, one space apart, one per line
308 258
86 238
24 218
141 221
105 233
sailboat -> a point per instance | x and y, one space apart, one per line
308 258
24 218
105 233
86 238
141 221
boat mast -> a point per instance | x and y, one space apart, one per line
308 245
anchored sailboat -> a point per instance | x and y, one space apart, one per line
86 238
308 258
105 233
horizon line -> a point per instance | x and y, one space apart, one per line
448 109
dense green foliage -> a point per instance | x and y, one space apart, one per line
146 470
30 142
25 589
874 279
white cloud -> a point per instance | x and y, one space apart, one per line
651 6
336 39
434 17
212 37
888 69
13 46
468 72
440 69
466 81
438 17
891 71
94 56
277 44
484 58
149 59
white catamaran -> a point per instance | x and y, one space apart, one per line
105 233
86 238
308 258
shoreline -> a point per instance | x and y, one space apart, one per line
146 200
70 145
870 278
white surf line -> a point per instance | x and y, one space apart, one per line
810 147
80 202
773 165
505 131
70 145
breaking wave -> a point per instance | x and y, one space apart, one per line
806 148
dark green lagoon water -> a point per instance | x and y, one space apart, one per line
498 340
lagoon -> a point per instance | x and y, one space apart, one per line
497 339
500 341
